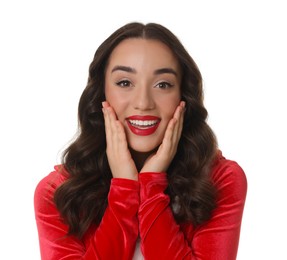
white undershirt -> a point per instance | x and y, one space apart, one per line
138 253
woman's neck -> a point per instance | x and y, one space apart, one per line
140 158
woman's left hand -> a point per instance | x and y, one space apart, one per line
159 161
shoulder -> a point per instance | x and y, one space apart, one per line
228 177
44 192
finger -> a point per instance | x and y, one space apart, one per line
175 127
168 136
181 119
172 126
107 122
177 124
107 116
117 133
105 104
111 126
112 119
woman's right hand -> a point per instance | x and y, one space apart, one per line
119 157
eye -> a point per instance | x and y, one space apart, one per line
163 85
124 83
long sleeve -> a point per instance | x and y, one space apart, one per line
163 238
114 238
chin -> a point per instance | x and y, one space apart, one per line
143 147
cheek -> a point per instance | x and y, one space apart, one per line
117 101
169 106
112 96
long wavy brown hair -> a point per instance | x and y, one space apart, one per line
82 198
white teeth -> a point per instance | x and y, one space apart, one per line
143 122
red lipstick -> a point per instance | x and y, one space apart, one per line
143 125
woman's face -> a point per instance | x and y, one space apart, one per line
142 84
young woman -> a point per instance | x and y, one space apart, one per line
144 179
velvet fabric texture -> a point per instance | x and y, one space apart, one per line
141 209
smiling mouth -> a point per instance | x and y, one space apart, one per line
143 125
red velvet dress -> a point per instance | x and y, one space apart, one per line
141 209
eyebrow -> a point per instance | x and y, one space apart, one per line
156 72
165 70
124 68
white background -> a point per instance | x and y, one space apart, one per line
240 48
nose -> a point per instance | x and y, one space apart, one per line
143 98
